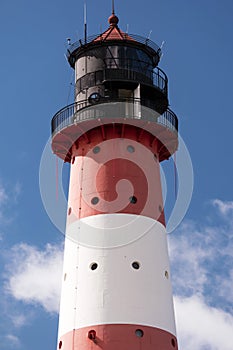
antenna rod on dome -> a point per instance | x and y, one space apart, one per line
113 8
85 22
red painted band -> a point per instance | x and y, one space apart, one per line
118 337
72 140
96 174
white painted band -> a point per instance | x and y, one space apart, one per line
115 292
110 230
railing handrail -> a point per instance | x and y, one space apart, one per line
129 38
156 78
65 116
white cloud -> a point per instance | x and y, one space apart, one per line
226 287
34 276
187 255
225 207
200 326
9 195
3 199
12 341
3 195
201 257
19 320
201 260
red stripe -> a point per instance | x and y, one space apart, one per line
118 337
95 192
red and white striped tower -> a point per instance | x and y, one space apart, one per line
116 290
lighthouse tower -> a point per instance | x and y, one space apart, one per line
116 287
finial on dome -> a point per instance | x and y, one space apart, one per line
113 19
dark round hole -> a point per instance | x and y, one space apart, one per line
173 342
133 200
95 200
60 344
160 208
92 334
130 149
94 98
96 149
139 333
93 266
135 265
69 211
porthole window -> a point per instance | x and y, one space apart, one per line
166 274
60 344
133 199
94 98
96 149
94 200
160 208
136 265
130 149
93 266
69 211
173 342
139 333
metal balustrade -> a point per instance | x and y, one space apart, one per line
71 115
156 78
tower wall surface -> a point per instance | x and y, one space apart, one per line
115 235
116 286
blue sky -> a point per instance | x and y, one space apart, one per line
35 83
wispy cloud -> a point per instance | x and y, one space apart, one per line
201 261
202 258
11 341
9 195
3 195
19 320
201 326
34 275
225 207
3 199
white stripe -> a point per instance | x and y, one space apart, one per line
115 292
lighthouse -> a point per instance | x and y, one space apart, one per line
116 282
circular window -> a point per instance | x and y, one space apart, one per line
160 208
139 333
94 200
93 266
136 265
60 344
130 149
69 211
173 342
94 98
166 274
96 149
133 199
